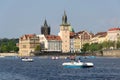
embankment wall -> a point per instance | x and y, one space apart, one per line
111 53
108 53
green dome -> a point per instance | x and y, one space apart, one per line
71 29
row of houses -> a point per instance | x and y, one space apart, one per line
27 43
66 40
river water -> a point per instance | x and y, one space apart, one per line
12 68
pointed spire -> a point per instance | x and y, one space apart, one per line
64 13
64 18
45 23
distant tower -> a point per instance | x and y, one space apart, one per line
45 29
65 34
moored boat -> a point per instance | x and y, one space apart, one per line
54 58
77 64
27 59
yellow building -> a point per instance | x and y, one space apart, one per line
99 37
27 44
113 34
77 44
80 39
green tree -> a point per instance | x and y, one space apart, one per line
4 48
38 48
93 47
16 49
108 44
118 44
100 46
8 45
85 47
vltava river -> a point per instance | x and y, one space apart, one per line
12 68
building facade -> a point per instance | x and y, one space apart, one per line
77 43
27 44
113 34
65 34
99 37
80 38
50 43
72 33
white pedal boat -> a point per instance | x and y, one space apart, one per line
77 64
27 59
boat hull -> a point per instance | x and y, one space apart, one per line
77 65
27 60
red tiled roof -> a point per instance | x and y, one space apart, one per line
75 36
26 36
80 32
72 34
53 37
113 29
101 34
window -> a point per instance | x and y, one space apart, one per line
24 46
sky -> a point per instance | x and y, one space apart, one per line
20 17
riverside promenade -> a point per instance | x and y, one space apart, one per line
8 54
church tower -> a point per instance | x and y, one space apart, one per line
65 34
45 29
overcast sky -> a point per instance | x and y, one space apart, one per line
19 17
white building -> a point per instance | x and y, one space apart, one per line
50 42
113 34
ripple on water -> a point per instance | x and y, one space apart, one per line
11 76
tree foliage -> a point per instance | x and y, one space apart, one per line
8 45
101 46
95 47
38 48
118 44
85 47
